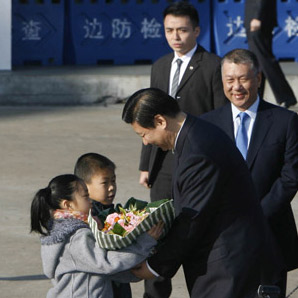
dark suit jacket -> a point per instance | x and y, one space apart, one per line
220 234
199 91
272 159
263 10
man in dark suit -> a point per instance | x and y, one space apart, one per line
272 147
198 90
199 87
219 235
260 19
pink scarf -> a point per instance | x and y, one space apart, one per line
63 214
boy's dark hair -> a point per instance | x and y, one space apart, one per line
89 164
242 56
48 199
180 9
144 104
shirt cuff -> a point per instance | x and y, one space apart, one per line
151 270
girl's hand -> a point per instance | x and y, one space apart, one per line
156 231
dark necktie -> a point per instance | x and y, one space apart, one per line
241 137
175 82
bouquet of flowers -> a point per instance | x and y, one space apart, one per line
123 225
124 222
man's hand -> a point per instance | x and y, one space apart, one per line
144 178
141 271
255 25
156 231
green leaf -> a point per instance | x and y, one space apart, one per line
138 204
118 229
122 210
156 204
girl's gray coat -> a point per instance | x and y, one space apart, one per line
78 267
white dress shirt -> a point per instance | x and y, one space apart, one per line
185 60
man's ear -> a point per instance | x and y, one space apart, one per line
160 121
197 31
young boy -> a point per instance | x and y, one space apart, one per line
98 172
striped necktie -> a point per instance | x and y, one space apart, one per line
241 137
175 82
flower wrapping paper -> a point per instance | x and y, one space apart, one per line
160 210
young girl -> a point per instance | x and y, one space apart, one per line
77 266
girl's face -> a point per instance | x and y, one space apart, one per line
81 201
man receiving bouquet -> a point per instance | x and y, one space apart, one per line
219 234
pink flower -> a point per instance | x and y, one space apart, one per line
127 219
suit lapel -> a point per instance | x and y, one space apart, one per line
183 133
261 128
165 73
226 121
193 64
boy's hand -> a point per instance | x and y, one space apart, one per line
156 230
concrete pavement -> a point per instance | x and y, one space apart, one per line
38 143
88 84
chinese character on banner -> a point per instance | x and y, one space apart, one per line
121 28
31 30
93 29
151 29
236 28
291 26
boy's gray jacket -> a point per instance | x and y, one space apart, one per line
78 267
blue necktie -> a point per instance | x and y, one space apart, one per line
241 137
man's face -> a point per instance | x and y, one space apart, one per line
240 84
180 34
158 136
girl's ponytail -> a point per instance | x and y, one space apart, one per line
48 199
41 211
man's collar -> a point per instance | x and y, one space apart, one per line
188 55
251 111
173 150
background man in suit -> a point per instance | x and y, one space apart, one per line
197 88
272 142
260 19
219 234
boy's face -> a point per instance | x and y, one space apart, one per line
103 186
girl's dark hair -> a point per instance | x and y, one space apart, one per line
143 105
48 199
182 9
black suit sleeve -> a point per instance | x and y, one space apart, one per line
145 158
146 150
200 182
285 186
263 10
219 98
